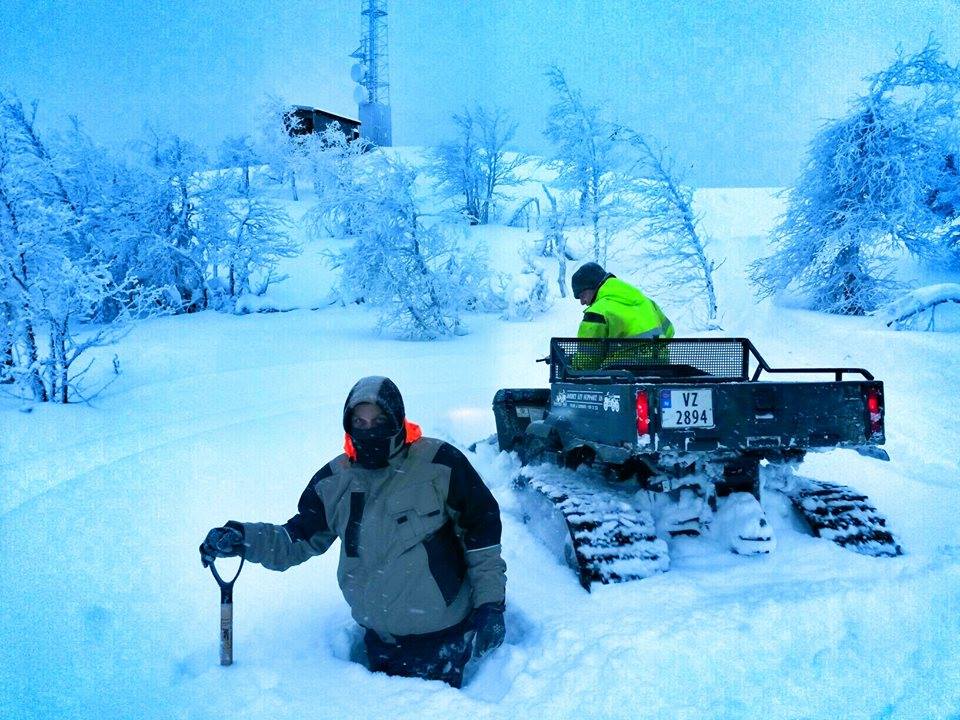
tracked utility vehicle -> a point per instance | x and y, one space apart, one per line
659 438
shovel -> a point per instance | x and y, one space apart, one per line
226 613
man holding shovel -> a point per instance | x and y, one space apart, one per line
420 561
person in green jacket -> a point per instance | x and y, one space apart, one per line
614 309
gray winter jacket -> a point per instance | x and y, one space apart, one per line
420 539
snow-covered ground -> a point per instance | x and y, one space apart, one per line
105 611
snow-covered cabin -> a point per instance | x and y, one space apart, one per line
305 120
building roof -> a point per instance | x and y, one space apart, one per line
327 113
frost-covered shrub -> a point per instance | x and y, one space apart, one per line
417 276
278 146
477 165
336 166
469 271
246 236
527 294
239 155
90 241
917 309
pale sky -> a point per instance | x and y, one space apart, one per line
736 90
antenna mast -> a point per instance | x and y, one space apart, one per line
371 74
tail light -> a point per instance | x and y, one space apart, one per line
643 413
874 412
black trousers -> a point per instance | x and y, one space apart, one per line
436 656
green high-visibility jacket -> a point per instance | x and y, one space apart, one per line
622 311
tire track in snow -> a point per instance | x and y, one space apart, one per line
38 476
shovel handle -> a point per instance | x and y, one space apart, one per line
226 613
226 633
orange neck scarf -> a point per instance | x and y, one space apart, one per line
413 433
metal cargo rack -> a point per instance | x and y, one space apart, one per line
678 360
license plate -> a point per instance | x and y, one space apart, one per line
690 407
534 413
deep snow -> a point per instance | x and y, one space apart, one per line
105 611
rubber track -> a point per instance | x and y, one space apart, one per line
613 540
844 516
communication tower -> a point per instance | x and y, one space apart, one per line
370 72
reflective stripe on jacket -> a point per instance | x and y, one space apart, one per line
622 311
420 539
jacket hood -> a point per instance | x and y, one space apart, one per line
380 391
614 288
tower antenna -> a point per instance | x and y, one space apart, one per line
371 73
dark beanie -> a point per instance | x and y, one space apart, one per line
588 276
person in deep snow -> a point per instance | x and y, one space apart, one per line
616 309
420 561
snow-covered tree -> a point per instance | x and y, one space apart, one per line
944 200
588 161
865 191
416 275
478 164
239 152
336 164
89 242
245 237
8 339
555 240
526 214
279 145
178 256
669 233
20 343
213 239
105 197
55 277
69 295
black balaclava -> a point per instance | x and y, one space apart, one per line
375 446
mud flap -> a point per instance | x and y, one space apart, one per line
548 525
596 530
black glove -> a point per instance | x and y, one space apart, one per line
487 622
224 541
